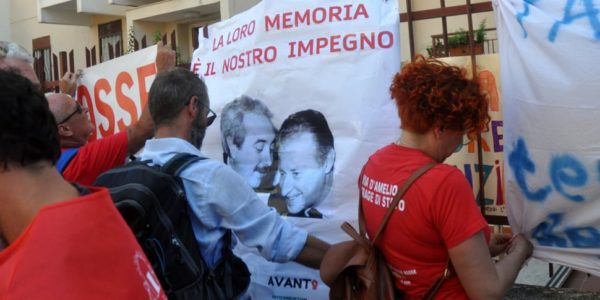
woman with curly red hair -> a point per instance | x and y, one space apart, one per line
437 219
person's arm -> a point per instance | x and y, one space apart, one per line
479 276
312 253
143 129
499 242
68 83
165 58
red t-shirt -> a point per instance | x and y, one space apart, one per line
438 212
95 158
77 249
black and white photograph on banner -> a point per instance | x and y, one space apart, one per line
306 156
294 164
247 136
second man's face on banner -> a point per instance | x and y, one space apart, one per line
303 179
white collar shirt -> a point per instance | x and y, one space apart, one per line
220 199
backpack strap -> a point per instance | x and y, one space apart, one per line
228 269
65 158
82 190
179 162
174 166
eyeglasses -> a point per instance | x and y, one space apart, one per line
210 118
78 110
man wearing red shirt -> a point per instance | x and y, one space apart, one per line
62 241
82 162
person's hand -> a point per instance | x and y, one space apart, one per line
68 83
519 243
499 242
165 58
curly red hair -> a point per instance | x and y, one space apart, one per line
430 93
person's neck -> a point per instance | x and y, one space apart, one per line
69 143
422 142
170 131
25 191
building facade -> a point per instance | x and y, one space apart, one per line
66 35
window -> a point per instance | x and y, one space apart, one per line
42 58
110 36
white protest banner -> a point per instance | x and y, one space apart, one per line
466 157
116 91
313 59
550 74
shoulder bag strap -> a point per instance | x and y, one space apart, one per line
438 283
416 174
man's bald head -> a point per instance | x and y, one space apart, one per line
74 125
17 58
61 105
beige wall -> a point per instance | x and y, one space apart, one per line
4 20
231 8
25 28
150 29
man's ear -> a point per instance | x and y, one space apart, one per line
233 149
64 130
192 107
329 161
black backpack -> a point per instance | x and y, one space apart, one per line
152 201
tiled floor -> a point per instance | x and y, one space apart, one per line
583 282
536 272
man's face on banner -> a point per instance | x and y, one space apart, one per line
303 178
253 159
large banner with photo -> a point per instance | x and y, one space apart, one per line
550 73
115 91
301 88
492 142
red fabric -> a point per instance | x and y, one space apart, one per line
439 213
77 249
97 157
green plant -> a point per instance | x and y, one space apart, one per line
131 41
157 36
438 51
461 36
458 38
480 33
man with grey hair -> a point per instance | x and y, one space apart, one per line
13 56
247 135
